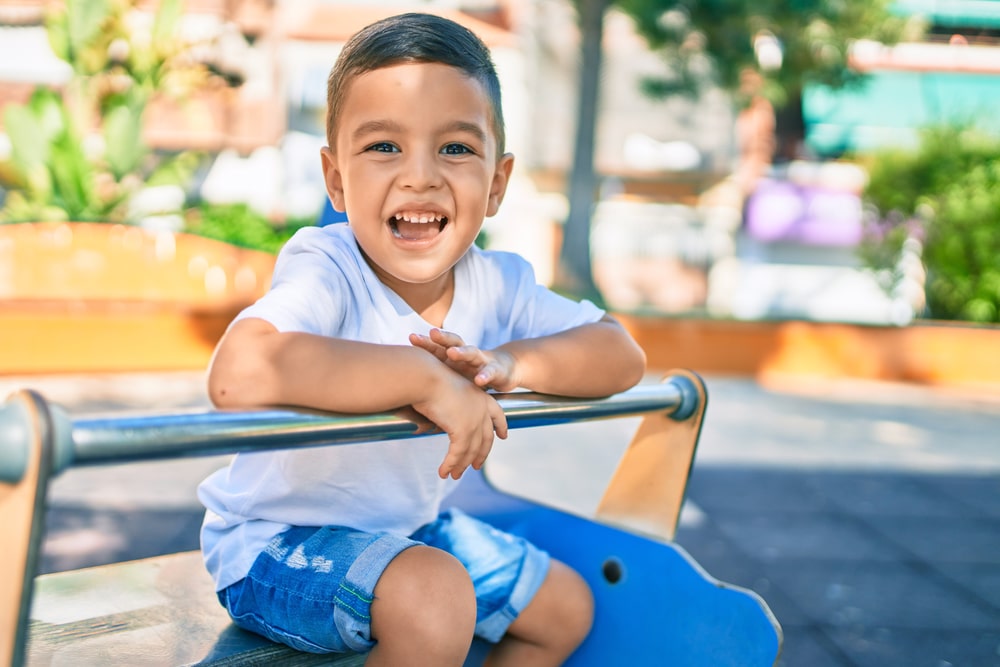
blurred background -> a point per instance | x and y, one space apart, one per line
737 162
800 201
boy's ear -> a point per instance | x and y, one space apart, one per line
332 179
499 185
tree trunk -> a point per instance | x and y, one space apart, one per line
574 273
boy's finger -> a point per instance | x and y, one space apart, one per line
485 447
484 377
456 460
466 353
423 342
446 338
447 466
499 419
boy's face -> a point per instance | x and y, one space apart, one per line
415 166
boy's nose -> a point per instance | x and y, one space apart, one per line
420 171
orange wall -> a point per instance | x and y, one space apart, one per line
930 353
82 297
95 297
92 337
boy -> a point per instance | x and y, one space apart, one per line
343 548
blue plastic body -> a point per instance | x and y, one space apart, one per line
661 608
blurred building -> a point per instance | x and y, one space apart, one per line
796 250
243 40
265 134
672 230
951 76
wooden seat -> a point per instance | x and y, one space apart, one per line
155 611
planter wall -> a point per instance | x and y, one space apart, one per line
957 356
81 297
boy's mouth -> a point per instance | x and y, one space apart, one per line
417 226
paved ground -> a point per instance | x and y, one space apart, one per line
868 516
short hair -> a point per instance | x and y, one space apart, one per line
413 37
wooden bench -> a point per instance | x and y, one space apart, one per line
654 603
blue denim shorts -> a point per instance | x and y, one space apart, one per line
304 573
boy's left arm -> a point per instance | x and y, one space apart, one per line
597 359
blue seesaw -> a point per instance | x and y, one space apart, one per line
654 604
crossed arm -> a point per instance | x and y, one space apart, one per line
438 376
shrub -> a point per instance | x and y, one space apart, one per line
239 225
944 198
78 153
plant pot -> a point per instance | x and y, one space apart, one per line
82 297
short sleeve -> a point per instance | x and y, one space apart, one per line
310 289
534 309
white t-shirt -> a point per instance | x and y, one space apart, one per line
323 285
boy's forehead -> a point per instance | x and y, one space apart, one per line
450 90
417 76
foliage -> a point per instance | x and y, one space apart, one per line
239 225
722 38
78 154
945 195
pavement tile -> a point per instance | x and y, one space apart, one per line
982 581
753 489
885 493
894 647
85 537
873 595
726 562
963 539
810 648
823 536
980 493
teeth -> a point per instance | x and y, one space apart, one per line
419 217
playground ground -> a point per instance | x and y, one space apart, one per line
866 514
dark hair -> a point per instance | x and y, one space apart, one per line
413 37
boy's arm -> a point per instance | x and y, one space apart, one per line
590 360
597 359
256 365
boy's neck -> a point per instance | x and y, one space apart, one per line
431 301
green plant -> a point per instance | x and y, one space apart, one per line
945 197
78 153
239 225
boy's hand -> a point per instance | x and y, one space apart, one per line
468 415
488 369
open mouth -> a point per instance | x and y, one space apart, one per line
417 226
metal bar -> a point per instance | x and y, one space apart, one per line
133 437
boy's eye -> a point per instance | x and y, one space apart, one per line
455 149
383 147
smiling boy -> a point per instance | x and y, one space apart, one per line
346 548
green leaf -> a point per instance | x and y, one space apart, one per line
124 148
50 110
165 24
73 178
29 145
84 19
174 170
57 29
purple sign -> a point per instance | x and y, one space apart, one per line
807 214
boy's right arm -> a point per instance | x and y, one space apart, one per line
256 365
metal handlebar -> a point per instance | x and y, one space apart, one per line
134 437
